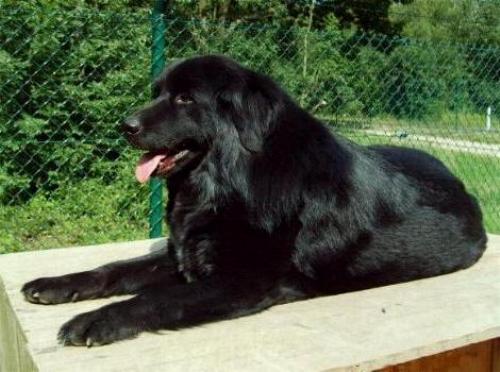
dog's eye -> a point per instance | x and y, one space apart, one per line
183 99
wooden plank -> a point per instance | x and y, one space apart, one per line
495 356
471 358
358 331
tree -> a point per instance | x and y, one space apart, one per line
465 21
365 15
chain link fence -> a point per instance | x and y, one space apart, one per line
69 77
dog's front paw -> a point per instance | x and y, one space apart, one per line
99 327
61 289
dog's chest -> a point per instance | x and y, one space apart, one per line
190 232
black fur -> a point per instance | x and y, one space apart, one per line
268 207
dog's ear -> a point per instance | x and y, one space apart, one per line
251 110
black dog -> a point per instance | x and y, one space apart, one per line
266 206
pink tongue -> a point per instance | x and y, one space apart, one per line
147 165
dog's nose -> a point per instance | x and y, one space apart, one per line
131 126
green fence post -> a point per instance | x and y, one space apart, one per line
158 28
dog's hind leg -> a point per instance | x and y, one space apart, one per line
121 277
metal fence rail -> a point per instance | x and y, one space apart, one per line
68 78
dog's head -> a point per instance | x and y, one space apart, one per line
199 101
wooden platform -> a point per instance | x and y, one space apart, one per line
358 331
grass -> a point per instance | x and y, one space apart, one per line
89 212
92 212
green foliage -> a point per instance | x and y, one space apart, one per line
70 71
428 80
71 80
466 21
89 212
476 26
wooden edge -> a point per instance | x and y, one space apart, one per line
153 244
476 357
14 355
495 356
422 352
